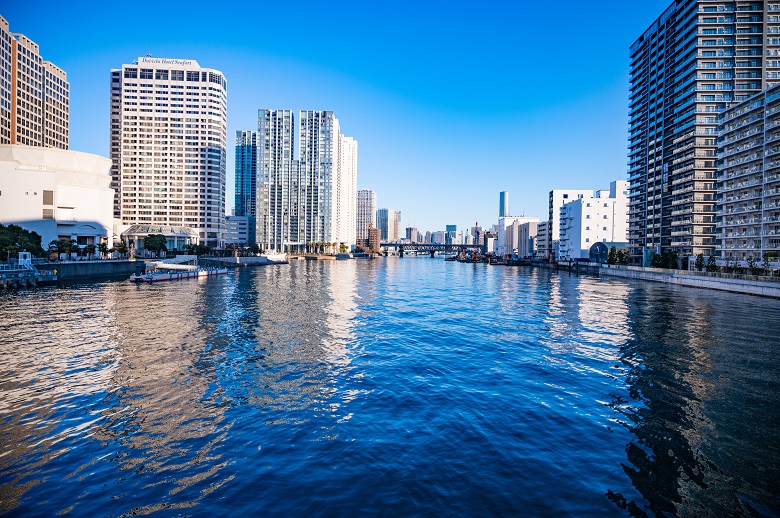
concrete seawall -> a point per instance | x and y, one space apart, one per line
87 269
748 284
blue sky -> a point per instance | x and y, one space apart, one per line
451 102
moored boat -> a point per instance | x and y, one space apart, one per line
275 257
172 272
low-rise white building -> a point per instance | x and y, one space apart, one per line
511 224
587 220
59 194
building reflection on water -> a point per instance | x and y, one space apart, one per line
683 401
162 365
159 395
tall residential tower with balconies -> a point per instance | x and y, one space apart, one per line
695 60
749 179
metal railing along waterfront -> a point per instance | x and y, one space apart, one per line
696 273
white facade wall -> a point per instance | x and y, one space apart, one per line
501 248
345 213
557 198
281 189
169 145
526 238
81 205
602 217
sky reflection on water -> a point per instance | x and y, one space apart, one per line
406 385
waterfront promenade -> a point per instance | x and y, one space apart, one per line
408 387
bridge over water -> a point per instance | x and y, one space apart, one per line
430 248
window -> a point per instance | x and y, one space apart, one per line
565 196
48 197
193 76
131 73
161 74
48 213
146 73
177 75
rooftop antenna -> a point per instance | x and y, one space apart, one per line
148 54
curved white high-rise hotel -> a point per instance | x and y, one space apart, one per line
168 146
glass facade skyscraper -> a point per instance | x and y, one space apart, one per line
246 179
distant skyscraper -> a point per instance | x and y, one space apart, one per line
691 63
452 231
389 223
34 94
168 145
503 204
366 212
246 180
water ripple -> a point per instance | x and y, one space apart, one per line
396 386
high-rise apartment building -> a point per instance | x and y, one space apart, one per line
246 181
345 193
311 199
318 155
34 94
366 212
168 146
689 65
281 190
748 200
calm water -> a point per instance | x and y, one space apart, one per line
396 387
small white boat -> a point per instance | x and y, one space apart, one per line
274 257
173 272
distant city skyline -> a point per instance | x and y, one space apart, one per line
444 123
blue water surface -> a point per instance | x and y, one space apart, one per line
392 387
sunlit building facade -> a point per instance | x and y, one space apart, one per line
168 146
692 62
34 94
748 200
366 212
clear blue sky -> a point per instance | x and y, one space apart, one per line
451 102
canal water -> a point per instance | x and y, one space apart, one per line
395 387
